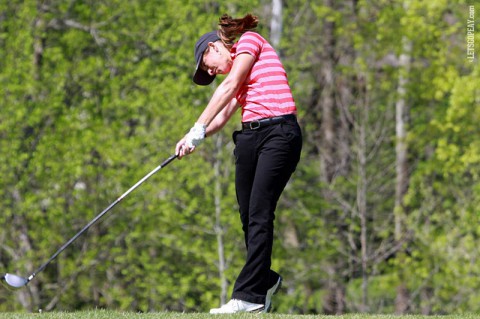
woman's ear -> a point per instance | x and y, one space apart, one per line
212 45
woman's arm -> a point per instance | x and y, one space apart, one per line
227 90
216 125
222 118
222 96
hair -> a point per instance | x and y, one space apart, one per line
229 28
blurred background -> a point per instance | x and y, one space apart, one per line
381 216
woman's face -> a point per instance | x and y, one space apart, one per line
216 59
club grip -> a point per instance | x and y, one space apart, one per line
168 160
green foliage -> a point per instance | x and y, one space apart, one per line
446 203
95 94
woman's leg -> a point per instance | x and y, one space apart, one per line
264 166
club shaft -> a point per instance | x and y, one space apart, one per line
99 216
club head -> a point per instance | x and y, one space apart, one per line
14 281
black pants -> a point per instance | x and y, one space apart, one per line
265 159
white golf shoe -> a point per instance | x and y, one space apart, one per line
236 305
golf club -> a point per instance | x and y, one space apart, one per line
14 281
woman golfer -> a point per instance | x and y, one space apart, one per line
267 149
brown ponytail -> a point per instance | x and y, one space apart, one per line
230 28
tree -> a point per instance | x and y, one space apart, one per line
95 94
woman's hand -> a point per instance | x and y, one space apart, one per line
195 137
182 149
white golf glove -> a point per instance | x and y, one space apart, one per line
196 135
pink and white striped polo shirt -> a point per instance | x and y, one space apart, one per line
265 92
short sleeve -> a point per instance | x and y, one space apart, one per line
249 43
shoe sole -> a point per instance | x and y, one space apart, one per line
217 311
276 287
258 310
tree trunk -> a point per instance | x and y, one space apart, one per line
334 302
401 110
276 23
326 102
29 298
362 199
222 267
402 179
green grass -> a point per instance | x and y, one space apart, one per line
107 314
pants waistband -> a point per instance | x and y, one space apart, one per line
257 124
